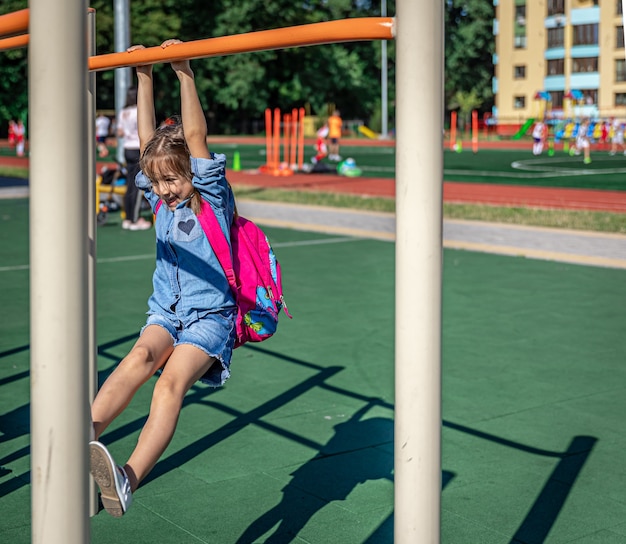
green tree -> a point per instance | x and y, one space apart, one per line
13 78
469 48
236 89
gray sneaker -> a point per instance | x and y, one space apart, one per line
111 479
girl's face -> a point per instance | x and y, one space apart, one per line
172 189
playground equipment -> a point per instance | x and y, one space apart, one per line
368 132
293 142
523 129
63 250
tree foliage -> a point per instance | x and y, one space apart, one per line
236 89
469 48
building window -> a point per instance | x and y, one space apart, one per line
556 67
519 72
589 64
519 102
619 33
586 34
620 99
556 97
557 7
519 25
620 70
556 37
618 7
590 96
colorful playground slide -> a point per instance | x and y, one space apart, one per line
368 132
523 130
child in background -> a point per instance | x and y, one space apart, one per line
190 329
334 135
321 150
19 131
539 134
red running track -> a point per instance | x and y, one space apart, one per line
477 193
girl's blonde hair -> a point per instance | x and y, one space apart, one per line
167 151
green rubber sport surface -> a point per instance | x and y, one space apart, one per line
298 446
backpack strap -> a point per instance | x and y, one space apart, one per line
217 240
211 227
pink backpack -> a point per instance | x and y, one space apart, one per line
253 274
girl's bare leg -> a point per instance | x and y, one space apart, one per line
147 355
185 365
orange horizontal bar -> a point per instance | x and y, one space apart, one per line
14 43
345 30
14 23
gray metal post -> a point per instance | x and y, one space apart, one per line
91 204
58 278
121 36
419 190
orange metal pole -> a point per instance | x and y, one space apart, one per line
286 130
276 156
452 130
14 23
293 138
345 30
268 137
301 139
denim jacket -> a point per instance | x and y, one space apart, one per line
188 281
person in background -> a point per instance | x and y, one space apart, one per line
127 129
617 136
103 124
334 135
539 136
11 133
19 131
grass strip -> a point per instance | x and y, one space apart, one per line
537 217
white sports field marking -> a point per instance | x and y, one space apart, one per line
151 256
544 168
537 254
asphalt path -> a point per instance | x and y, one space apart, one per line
580 247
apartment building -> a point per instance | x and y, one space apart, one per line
560 58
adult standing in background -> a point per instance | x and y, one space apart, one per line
103 124
127 129
334 134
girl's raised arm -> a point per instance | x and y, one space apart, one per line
146 118
194 122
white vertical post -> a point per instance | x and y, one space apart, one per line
121 35
58 281
92 235
384 100
419 172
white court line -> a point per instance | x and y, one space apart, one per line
145 256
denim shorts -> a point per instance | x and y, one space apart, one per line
214 334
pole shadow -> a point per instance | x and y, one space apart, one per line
351 457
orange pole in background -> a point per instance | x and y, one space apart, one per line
276 156
475 131
269 154
14 23
346 30
286 140
293 138
301 139
453 130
